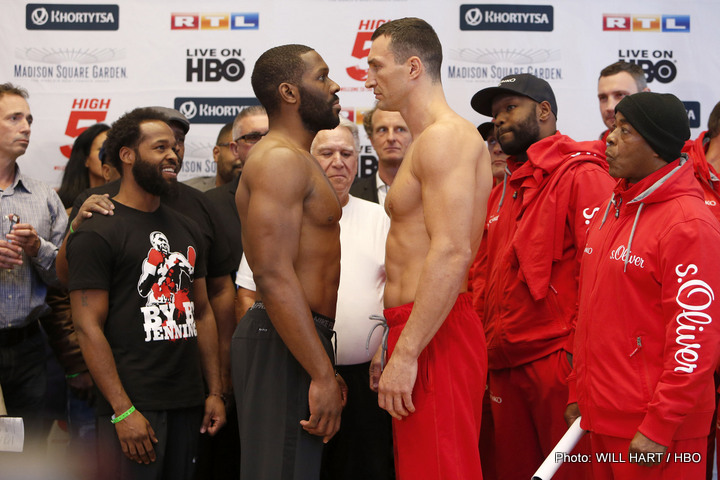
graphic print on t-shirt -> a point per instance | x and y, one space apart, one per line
165 282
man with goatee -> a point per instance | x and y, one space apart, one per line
288 398
140 307
534 244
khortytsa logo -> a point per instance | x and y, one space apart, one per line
189 109
39 16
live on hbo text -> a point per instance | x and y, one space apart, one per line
608 457
70 72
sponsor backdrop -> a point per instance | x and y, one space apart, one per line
86 62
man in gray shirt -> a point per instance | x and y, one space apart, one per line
32 222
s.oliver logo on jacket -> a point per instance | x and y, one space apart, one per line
694 297
622 254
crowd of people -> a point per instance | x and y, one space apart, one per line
448 317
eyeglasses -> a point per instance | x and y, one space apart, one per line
251 138
226 144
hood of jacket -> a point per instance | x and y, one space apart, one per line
703 170
673 180
536 181
546 155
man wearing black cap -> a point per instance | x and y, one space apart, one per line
534 244
643 376
498 158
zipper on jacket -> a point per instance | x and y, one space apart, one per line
617 207
639 346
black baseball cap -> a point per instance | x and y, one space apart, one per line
523 84
486 129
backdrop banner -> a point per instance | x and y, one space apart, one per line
88 62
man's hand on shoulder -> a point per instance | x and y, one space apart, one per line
94 204
326 403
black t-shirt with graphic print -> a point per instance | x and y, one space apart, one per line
147 262
193 203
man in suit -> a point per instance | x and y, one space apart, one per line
390 137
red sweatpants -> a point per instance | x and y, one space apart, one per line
683 460
528 406
439 441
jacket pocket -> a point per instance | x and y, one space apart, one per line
560 318
639 361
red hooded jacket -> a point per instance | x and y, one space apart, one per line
648 327
705 173
478 270
534 244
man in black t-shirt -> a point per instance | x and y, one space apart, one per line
221 259
137 287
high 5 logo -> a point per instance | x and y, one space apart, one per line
85 112
361 48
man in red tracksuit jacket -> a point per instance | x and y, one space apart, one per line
501 176
647 334
534 244
476 283
704 152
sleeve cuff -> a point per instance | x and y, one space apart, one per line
658 429
46 254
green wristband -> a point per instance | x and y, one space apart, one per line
71 229
122 416
72 375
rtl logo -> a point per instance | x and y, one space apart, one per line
646 23
85 112
214 21
361 48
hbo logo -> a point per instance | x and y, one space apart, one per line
214 70
663 71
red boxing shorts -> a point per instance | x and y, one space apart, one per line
439 441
